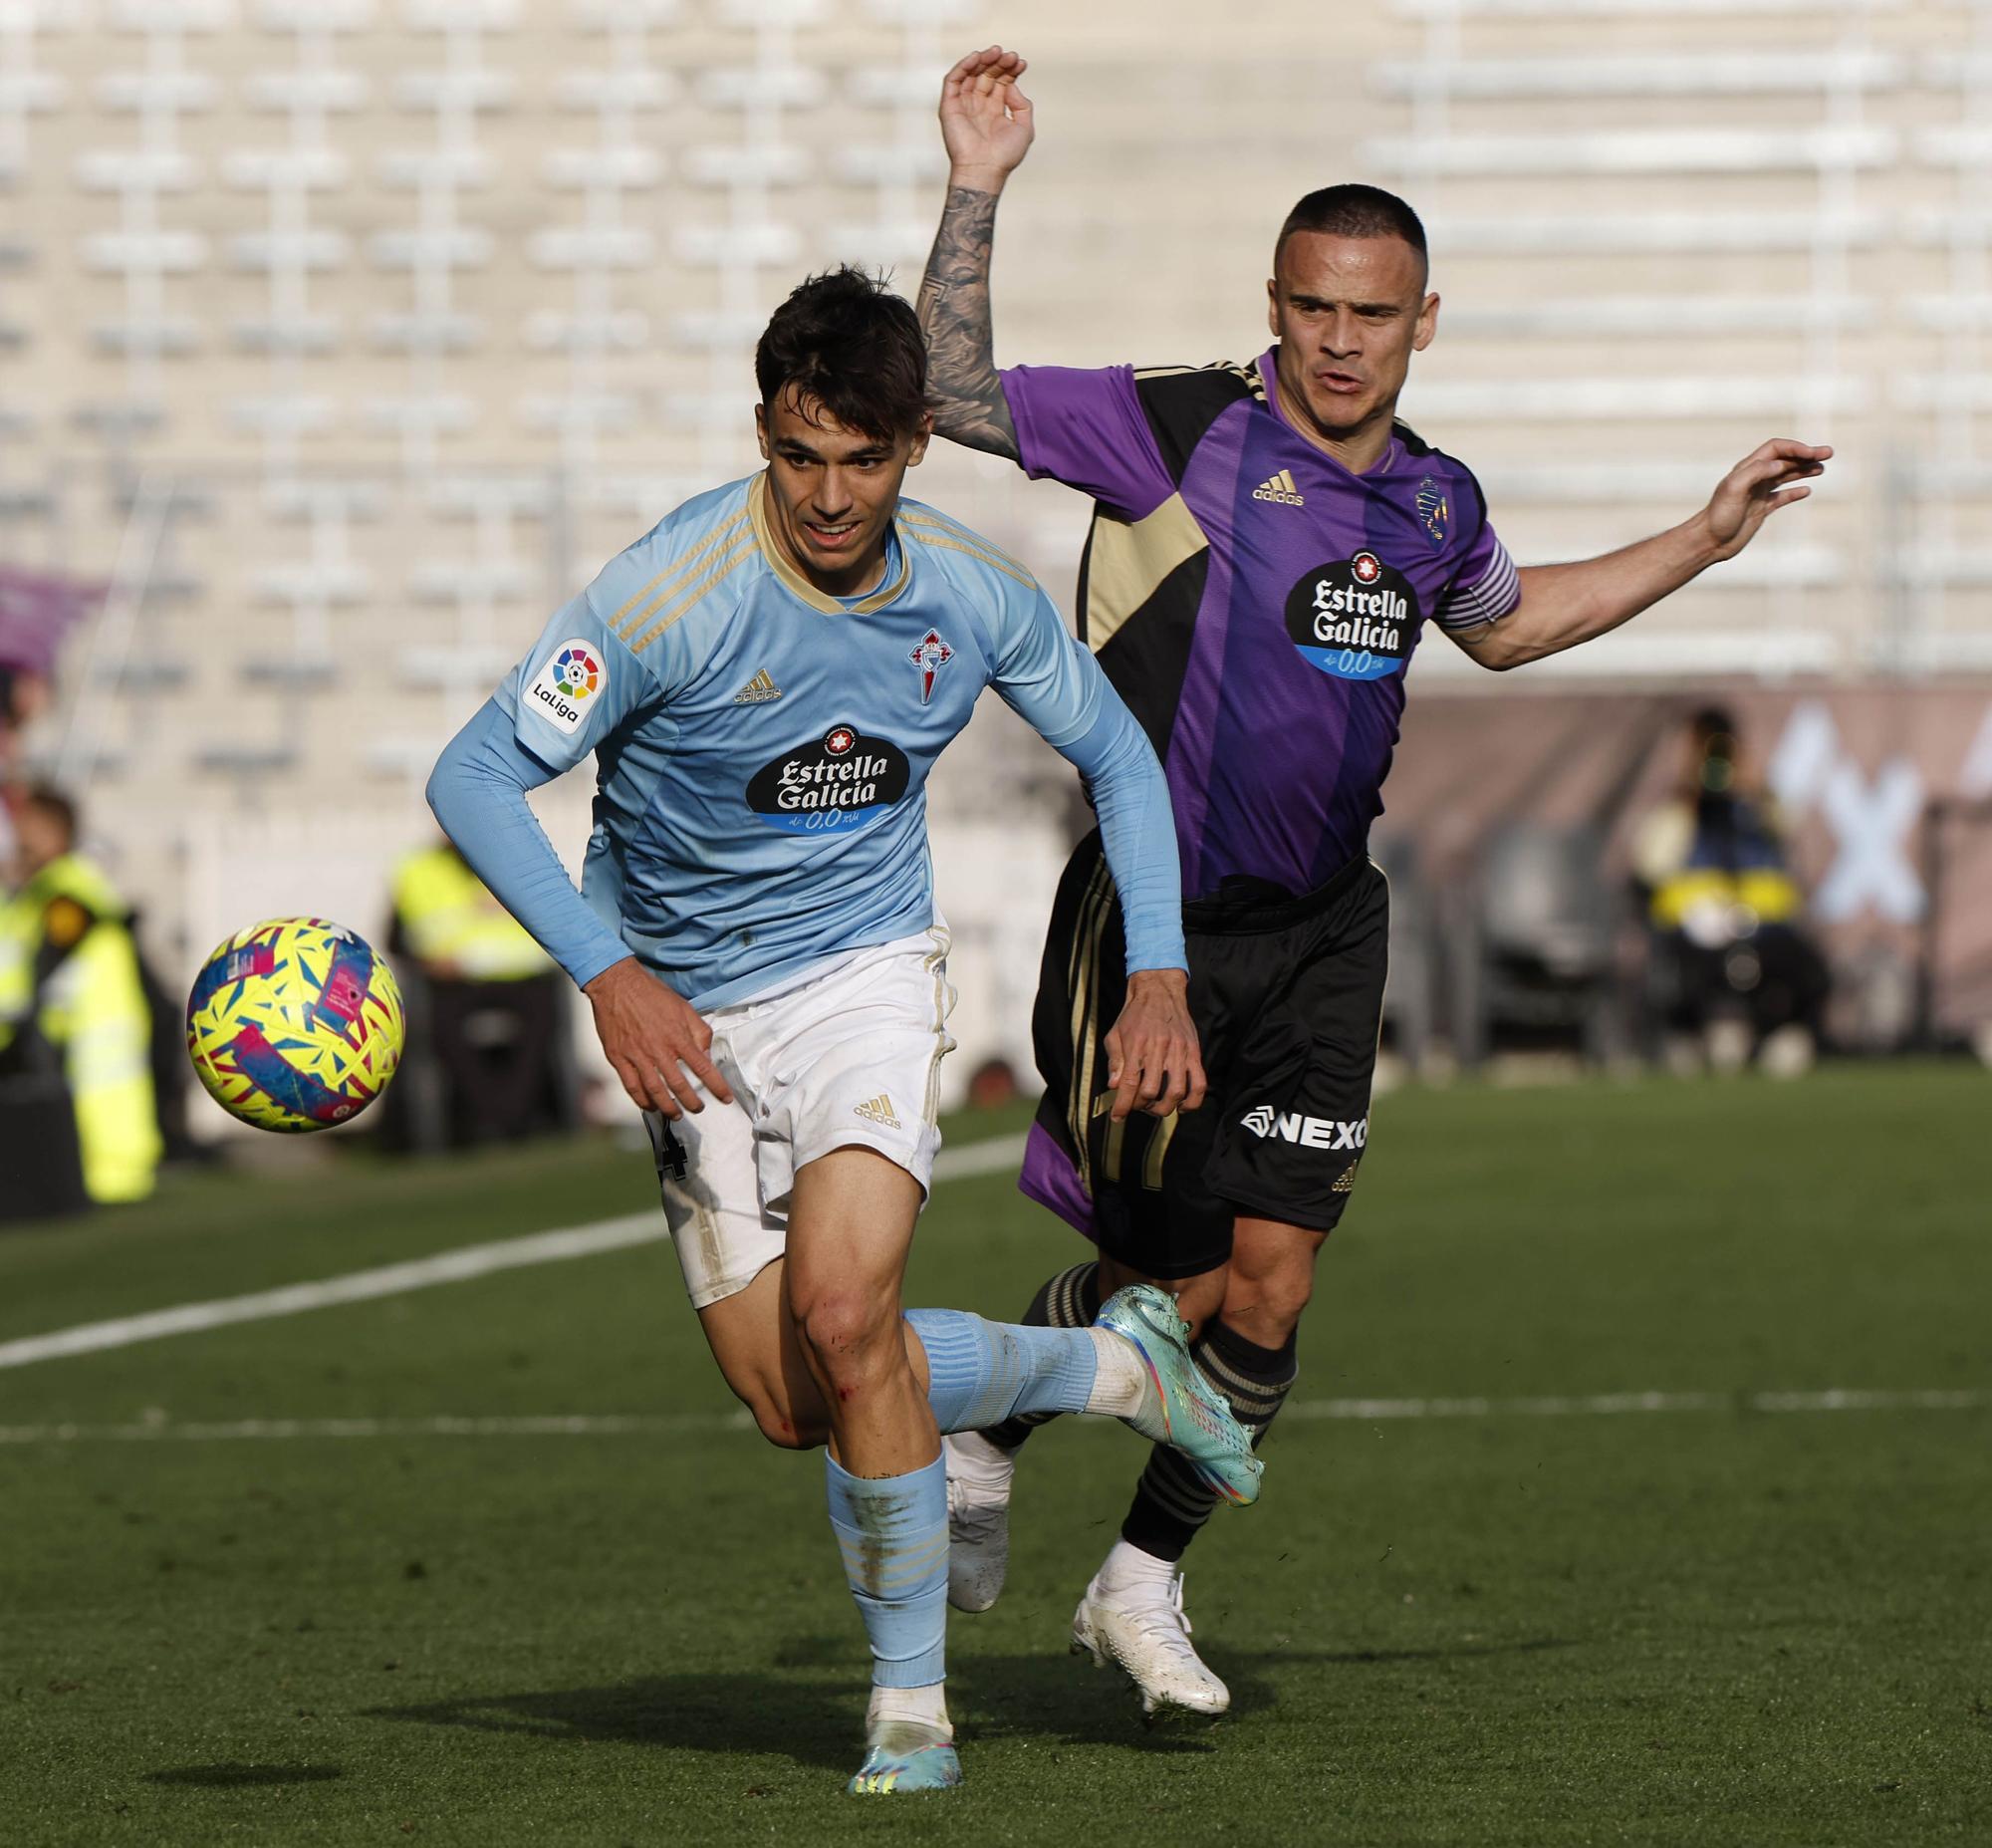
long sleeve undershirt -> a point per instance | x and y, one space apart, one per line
478 792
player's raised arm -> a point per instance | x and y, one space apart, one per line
1565 605
985 121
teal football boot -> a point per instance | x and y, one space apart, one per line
1191 1414
905 1757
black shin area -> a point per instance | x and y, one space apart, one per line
1171 1502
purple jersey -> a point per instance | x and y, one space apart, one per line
1253 601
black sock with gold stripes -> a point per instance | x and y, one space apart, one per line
1171 1502
1068 1300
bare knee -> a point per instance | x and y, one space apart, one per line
851 1340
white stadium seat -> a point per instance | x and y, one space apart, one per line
550 330
1618 398
1699 74
432 333
1654 150
169 336
1751 234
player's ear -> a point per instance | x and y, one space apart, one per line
1272 305
1427 325
761 430
921 437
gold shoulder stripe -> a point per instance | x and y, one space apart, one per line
677 573
1161 372
975 552
969 536
684 600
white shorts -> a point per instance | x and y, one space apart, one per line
850 1054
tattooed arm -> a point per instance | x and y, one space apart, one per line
986 124
967 396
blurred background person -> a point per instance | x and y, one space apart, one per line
22 695
1735 973
488 1056
77 1092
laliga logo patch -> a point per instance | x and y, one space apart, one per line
1356 618
565 685
832 784
1434 512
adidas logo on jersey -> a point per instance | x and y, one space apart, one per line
758 691
878 1110
1281 489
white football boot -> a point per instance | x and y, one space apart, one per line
979 1474
1138 1625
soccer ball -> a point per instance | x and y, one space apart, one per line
295 1024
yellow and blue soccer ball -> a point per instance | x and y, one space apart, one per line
295 1024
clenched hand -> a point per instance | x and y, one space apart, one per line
1153 1056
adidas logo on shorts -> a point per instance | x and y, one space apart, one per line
1281 489
876 1110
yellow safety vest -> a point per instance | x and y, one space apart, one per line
93 1013
449 918
1768 891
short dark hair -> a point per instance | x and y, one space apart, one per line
1354 210
847 341
53 802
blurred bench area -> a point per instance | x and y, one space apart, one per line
1695 882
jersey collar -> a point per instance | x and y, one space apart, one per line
778 562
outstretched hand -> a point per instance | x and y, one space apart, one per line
1757 487
1152 1057
985 119
653 1037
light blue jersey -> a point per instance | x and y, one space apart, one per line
763 750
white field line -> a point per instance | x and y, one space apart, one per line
1358 1411
457 1266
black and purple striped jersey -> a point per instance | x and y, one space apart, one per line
1253 601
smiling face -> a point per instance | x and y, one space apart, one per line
1349 312
832 490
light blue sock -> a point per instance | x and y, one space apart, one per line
980 1373
892 1531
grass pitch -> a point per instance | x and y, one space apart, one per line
1724 1624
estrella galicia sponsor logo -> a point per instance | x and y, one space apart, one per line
1308 1131
1356 618
839 781
573 675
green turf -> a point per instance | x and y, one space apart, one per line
1683 1628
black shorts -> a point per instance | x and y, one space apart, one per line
1287 994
